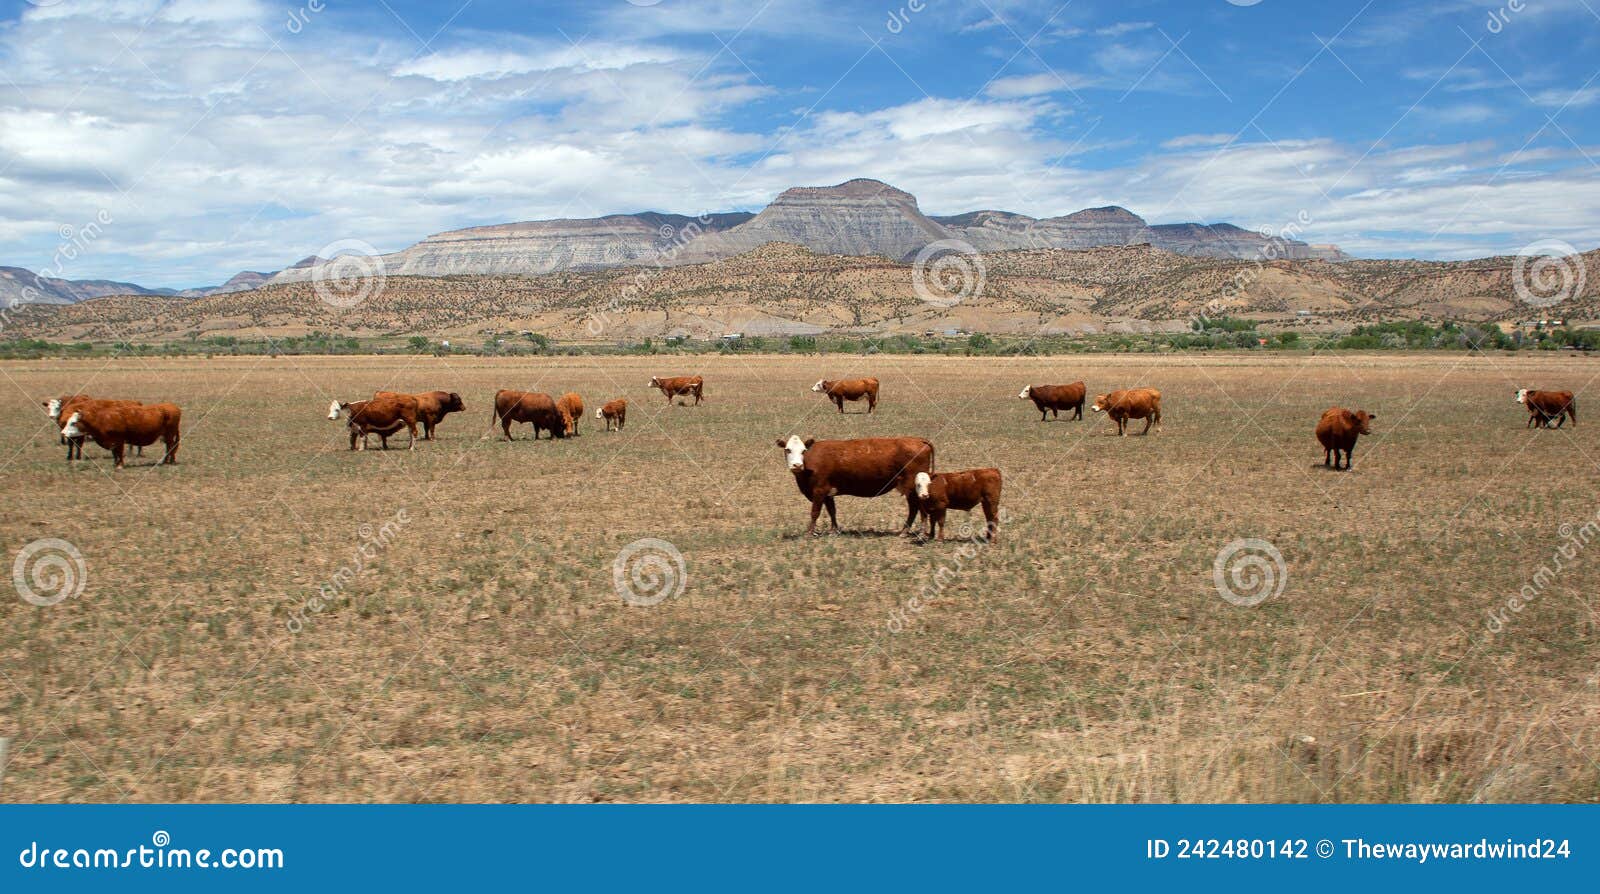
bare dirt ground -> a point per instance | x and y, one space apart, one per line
482 652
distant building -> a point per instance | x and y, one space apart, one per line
733 336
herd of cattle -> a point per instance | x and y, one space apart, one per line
823 470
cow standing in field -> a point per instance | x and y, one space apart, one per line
866 467
1052 399
938 493
1543 406
60 409
432 407
1132 403
849 389
672 386
382 416
615 411
114 425
571 404
534 407
1338 430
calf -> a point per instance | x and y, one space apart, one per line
432 407
959 490
1544 406
1052 399
114 425
849 389
614 411
537 408
571 404
672 386
1338 430
1133 403
866 467
382 416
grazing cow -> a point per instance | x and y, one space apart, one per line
60 409
1052 399
849 389
959 490
537 408
382 416
1338 430
1133 403
432 407
867 467
571 404
1544 406
672 386
614 411
114 425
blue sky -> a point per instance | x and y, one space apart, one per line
210 136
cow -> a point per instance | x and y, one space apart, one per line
672 386
382 416
537 408
1132 403
849 389
432 407
571 404
614 411
1052 399
1338 430
114 425
1544 406
959 490
60 409
866 467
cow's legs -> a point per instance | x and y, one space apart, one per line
816 510
833 513
911 512
872 403
117 452
991 514
412 428
1148 421
1078 412
839 402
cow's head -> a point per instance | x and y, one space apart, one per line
1100 403
1027 392
655 381
335 408
567 426
794 450
1522 395
1363 420
924 481
53 407
72 429
599 413
453 403
822 385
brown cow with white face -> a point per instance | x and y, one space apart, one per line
1132 403
1543 406
672 386
938 493
865 467
842 390
615 411
432 407
1338 430
114 425
534 407
1052 399
381 416
60 409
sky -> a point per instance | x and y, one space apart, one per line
177 143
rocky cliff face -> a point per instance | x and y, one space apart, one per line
858 217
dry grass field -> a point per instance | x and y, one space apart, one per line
483 653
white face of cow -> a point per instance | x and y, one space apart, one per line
599 413
1522 395
795 452
1027 392
54 408
1097 408
818 387
923 481
334 409
71 429
655 381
